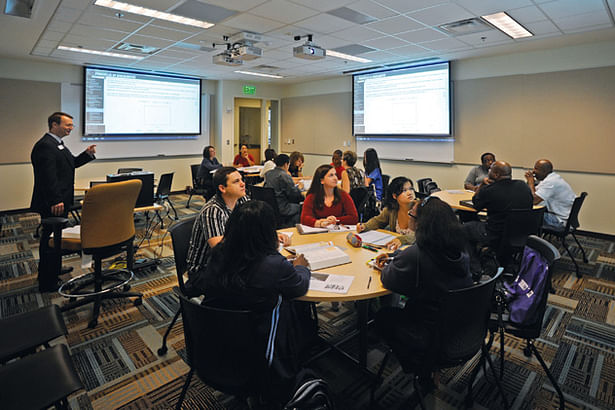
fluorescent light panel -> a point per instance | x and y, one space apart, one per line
331 53
259 74
508 25
100 53
157 14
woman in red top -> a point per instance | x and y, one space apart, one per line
243 159
325 204
337 163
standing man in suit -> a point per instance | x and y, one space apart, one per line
54 176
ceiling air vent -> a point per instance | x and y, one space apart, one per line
19 8
468 26
138 48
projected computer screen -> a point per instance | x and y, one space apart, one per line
413 101
123 104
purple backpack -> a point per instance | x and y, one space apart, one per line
525 293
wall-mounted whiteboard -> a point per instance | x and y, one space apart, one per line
441 150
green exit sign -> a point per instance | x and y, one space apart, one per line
249 89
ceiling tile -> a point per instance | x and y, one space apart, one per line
85 42
252 23
445 45
241 5
357 33
485 38
67 14
525 15
60 26
112 14
394 25
76 4
583 21
42 51
420 36
47 43
405 6
410 50
96 32
482 7
160 32
330 42
162 5
444 13
203 11
372 9
148 41
283 11
568 8
97 20
323 5
542 27
384 56
324 23
52 35
384 43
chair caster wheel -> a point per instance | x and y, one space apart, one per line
126 288
92 324
162 351
138 302
527 352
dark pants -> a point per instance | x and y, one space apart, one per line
50 261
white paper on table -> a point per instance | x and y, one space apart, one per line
72 232
306 184
376 238
326 282
456 191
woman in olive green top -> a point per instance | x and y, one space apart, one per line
399 199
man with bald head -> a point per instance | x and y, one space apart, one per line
550 188
498 197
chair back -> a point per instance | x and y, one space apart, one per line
107 216
180 238
420 184
463 320
226 347
573 219
194 171
520 223
385 184
164 185
359 196
267 195
128 170
431 187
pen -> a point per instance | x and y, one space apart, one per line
369 281
369 248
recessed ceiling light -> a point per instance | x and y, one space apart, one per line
100 53
157 14
259 74
508 25
337 54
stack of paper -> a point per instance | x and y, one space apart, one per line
321 255
305 230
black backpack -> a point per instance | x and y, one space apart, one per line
313 394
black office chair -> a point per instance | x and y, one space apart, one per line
360 197
225 348
458 334
571 226
520 223
164 190
199 186
385 184
501 323
180 238
420 185
25 332
431 187
267 195
128 170
39 381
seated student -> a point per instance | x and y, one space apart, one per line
296 164
373 173
287 195
243 159
326 204
209 163
479 173
395 216
251 274
352 177
551 188
424 272
268 165
336 162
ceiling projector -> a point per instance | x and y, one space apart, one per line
309 51
226 59
246 52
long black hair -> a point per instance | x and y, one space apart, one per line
250 236
371 161
437 229
395 188
318 190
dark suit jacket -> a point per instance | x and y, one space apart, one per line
54 174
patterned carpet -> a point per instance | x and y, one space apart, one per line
118 364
